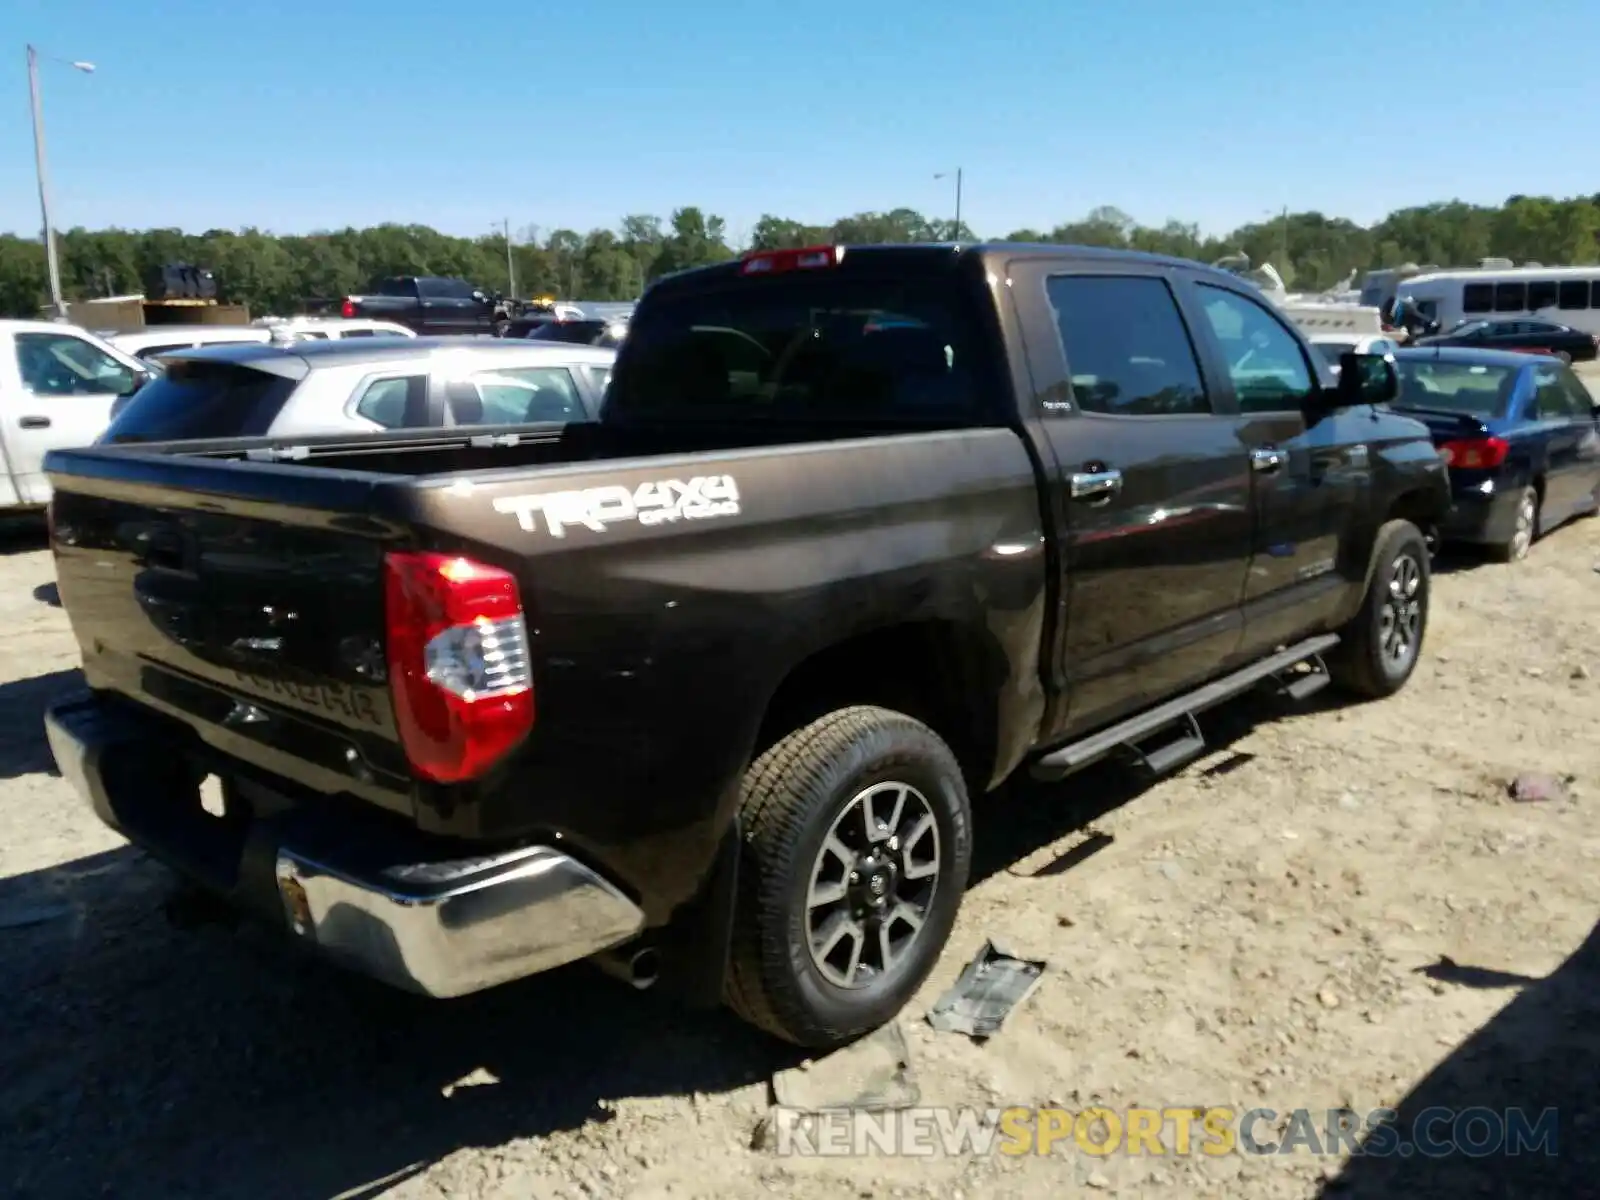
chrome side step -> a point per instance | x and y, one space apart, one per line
1181 712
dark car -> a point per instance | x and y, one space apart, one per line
582 332
1519 435
1520 334
702 690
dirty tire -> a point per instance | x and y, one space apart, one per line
1364 663
792 795
1564 357
1516 547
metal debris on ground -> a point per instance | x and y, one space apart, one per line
871 1074
990 987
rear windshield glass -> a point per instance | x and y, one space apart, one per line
193 399
1472 388
839 348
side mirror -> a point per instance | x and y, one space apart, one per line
136 380
1366 379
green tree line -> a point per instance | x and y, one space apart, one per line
276 273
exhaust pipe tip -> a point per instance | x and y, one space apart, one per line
644 968
639 969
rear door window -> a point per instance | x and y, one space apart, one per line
1127 347
445 289
835 347
194 399
515 396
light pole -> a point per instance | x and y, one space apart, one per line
511 270
946 175
58 307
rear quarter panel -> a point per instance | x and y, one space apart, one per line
658 643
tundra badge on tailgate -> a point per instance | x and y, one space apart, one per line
652 503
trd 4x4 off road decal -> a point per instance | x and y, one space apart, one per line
654 503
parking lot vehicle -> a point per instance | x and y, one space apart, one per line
1498 290
148 344
1334 346
1519 434
1521 334
332 328
429 304
58 384
701 690
582 332
304 388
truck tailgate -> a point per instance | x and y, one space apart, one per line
257 623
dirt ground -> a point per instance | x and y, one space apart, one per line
1341 906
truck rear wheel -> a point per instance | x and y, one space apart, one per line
1379 648
857 846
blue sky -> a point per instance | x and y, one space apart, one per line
295 116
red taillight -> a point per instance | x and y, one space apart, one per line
1475 453
807 258
347 309
458 663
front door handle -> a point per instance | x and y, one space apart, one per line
1267 459
34 422
1095 487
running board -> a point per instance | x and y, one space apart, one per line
1188 745
1126 735
1298 685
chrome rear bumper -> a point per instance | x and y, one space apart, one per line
514 915
438 928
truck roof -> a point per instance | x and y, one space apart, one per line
935 256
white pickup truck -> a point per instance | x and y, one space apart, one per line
57 386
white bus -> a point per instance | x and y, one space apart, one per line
1565 295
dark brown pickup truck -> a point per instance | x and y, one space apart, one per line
702 690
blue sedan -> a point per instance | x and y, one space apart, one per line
1521 435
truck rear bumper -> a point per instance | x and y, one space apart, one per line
441 927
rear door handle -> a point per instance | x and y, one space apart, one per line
1266 459
1095 487
34 422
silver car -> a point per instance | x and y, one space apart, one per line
307 389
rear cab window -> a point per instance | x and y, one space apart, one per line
873 345
202 399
